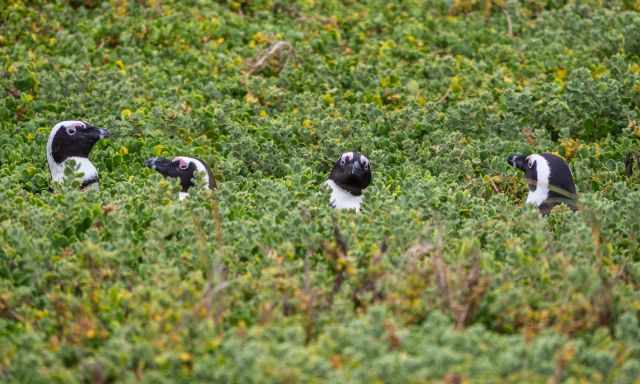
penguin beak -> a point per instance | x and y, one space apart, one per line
96 133
356 169
151 162
161 165
103 133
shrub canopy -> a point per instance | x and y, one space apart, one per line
445 275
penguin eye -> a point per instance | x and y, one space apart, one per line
183 165
365 162
71 130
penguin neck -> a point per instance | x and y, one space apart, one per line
538 196
82 165
343 199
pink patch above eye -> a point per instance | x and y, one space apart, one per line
183 164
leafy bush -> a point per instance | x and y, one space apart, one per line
445 276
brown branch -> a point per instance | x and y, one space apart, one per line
509 23
283 50
472 293
493 185
442 281
336 255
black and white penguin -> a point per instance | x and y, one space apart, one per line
348 179
73 140
549 178
183 168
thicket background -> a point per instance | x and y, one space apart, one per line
445 276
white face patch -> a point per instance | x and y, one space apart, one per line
541 193
347 156
364 161
542 168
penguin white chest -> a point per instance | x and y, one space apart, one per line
538 196
83 166
342 199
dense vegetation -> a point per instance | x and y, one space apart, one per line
445 276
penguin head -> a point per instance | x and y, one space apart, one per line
183 168
352 172
73 140
527 164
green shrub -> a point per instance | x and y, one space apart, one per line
444 277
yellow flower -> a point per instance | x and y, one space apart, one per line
158 149
250 98
570 147
328 99
598 71
123 151
260 38
126 113
121 67
385 46
42 314
121 7
263 114
456 84
560 75
185 356
307 123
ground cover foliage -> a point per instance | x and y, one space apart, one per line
445 276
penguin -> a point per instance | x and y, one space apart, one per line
549 178
350 176
183 168
73 140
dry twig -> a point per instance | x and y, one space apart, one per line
275 57
493 185
509 23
